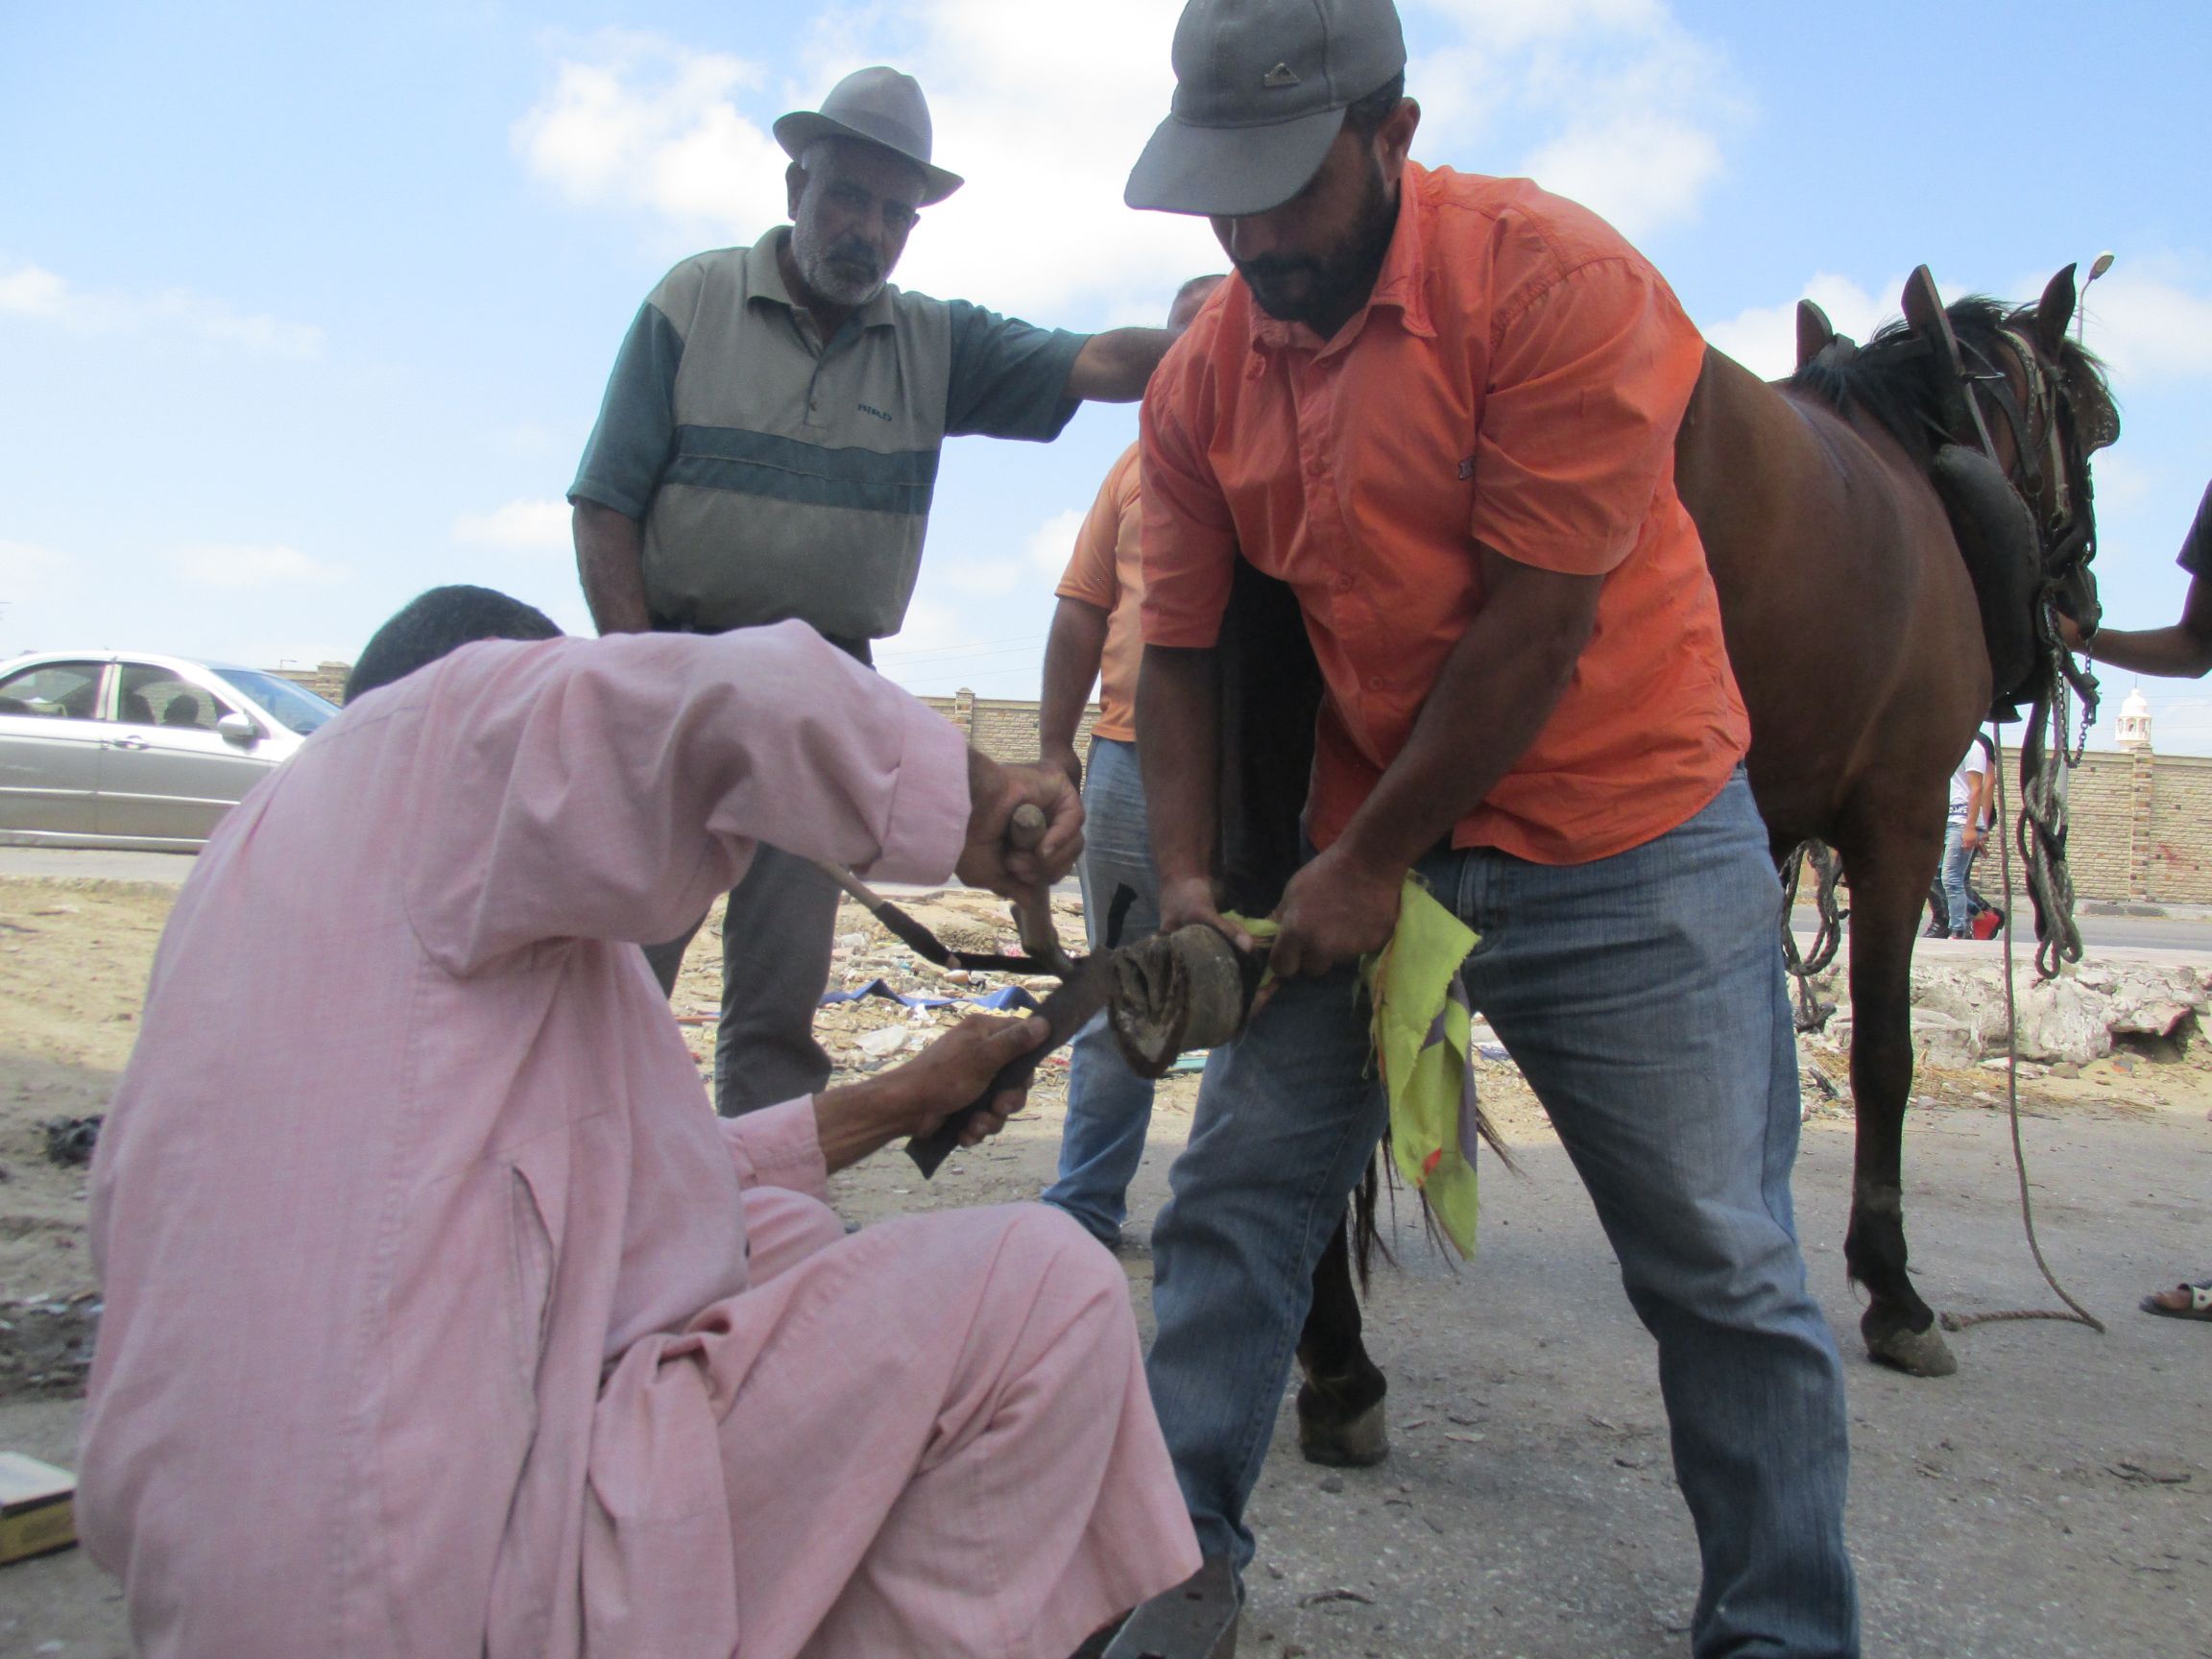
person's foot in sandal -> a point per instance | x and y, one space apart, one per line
2182 1302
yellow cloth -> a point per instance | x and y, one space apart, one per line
1421 1040
1421 1036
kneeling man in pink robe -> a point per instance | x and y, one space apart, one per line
442 1316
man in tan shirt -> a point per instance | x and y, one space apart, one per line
1095 636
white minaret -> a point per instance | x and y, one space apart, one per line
2135 723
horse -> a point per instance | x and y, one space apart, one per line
1890 530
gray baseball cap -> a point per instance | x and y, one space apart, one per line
876 106
1261 88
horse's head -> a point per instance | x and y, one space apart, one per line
2045 404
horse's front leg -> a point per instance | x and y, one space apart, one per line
1340 1419
1888 882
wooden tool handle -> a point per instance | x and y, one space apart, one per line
1025 830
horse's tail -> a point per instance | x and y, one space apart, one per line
1381 1172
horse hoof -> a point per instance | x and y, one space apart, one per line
1915 1352
1327 1435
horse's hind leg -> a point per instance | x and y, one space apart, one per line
1340 1419
1889 876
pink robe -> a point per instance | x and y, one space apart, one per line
430 1327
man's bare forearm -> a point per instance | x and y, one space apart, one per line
1113 367
2178 652
1179 748
1072 656
1496 690
610 564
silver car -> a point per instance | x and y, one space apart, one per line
113 749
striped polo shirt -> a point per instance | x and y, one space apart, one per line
780 477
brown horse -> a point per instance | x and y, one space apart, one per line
1882 527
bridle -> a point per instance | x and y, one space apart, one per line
2045 446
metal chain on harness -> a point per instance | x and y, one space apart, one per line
1827 939
2041 830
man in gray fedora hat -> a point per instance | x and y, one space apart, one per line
767 451
1442 408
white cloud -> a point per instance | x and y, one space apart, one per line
27 290
40 295
1763 339
984 578
1639 172
1052 541
2149 329
235 564
635 120
1045 108
1043 559
31 291
518 527
1612 102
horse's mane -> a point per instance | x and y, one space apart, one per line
1888 377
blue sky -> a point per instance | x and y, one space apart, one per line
306 308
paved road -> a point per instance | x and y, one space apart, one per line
49 862
2188 930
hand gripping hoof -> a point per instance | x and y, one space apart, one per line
1330 1433
1196 1619
1915 1352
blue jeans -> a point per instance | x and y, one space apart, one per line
1642 997
1958 864
1109 1106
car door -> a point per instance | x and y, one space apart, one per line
167 774
50 748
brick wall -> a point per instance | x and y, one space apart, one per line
324 679
2139 827
1004 728
2180 831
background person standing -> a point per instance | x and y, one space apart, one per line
1970 795
766 451
1095 636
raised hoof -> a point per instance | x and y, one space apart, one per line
1196 1619
1327 1435
1915 1352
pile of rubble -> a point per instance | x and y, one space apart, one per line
1959 1010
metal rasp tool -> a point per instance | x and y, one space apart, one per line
1081 993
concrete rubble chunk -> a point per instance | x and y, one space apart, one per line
1959 1010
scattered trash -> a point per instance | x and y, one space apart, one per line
882 1044
2150 1473
69 1141
1006 996
1318 1596
37 1513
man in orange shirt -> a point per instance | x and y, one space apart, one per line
1095 638
1442 408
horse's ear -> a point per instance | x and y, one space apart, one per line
2055 310
1814 332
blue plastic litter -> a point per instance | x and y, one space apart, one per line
1006 996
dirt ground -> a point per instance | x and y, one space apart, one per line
2054 1497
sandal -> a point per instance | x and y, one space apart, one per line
2182 1302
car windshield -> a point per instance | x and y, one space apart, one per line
296 707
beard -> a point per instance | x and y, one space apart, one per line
845 273
1323 290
